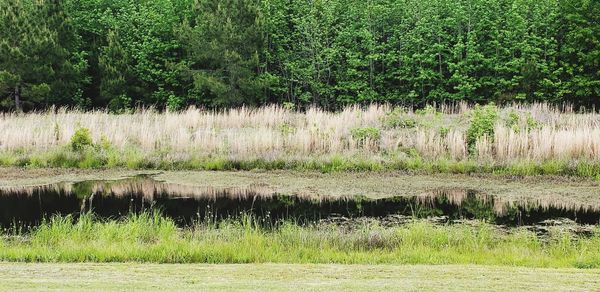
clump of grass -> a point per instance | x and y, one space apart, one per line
148 237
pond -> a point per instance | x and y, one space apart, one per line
28 206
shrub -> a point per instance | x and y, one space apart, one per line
289 106
395 119
367 133
406 123
81 139
532 124
513 121
444 131
105 144
286 128
428 110
483 120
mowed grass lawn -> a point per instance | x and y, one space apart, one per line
288 277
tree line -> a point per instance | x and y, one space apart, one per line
171 54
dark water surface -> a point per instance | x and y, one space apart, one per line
28 206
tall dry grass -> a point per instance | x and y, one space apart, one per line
274 132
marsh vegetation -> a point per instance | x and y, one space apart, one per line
143 220
152 238
516 140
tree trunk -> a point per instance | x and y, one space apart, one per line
18 106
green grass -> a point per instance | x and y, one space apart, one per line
152 238
131 158
290 277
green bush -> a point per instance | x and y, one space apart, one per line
483 120
513 121
81 139
405 123
532 124
444 131
396 119
428 110
286 128
363 134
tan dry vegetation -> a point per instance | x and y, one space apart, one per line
274 132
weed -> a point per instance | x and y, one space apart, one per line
444 131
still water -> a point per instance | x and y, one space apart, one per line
28 206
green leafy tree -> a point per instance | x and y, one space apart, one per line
134 54
580 50
170 54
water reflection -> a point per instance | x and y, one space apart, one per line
188 204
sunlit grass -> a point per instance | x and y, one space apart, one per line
131 159
152 238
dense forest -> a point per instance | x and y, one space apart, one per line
171 54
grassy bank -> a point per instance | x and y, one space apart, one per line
151 238
518 140
286 277
97 159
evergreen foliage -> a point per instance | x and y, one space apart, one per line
172 54
40 59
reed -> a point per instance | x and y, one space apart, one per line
281 138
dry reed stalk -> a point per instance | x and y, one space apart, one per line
273 131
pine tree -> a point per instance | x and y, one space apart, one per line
116 73
224 46
22 40
37 55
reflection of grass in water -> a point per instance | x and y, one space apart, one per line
478 208
153 238
423 211
83 189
